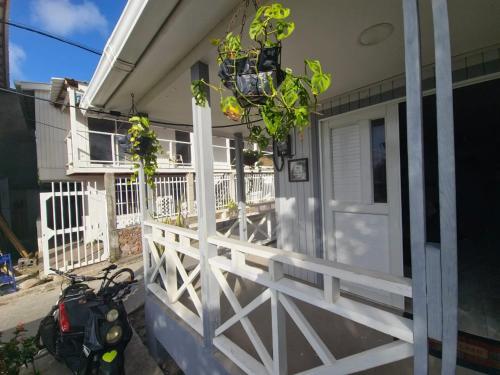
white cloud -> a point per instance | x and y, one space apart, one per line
16 60
63 17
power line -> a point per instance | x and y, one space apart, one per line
52 36
115 114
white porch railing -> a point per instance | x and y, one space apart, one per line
261 225
170 196
259 187
172 253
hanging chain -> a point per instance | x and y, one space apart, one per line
133 110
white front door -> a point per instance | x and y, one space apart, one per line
362 194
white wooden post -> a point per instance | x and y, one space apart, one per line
278 321
236 257
447 193
144 230
240 186
205 197
416 182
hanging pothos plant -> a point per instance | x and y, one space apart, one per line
144 146
250 157
260 88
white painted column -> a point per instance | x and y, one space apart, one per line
416 183
145 231
447 192
240 186
205 197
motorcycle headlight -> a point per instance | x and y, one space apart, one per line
112 315
114 334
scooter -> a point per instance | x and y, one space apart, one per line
89 330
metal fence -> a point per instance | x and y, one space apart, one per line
172 195
74 230
259 187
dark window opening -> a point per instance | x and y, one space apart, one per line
379 161
183 149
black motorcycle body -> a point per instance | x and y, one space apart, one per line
88 331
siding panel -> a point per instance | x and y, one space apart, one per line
52 126
296 208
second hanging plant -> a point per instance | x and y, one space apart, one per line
260 89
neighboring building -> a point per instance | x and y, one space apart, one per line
71 145
18 178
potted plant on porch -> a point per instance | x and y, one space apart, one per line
270 100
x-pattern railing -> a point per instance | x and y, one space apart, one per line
282 291
175 269
262 228
171 278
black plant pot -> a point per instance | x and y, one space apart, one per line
145 146
230 68
250 160
250 79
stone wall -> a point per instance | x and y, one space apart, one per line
129 240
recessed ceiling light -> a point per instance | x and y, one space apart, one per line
375 34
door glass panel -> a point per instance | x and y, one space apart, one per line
379 161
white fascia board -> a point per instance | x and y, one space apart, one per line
123 49
25 85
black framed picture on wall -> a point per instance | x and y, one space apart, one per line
298 170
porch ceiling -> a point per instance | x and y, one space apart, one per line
325 30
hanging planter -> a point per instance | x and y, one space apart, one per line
144 147
250 157
270 100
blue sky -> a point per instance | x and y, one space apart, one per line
37 58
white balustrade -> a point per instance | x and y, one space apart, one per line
174 254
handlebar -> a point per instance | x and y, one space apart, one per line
105 289
73 277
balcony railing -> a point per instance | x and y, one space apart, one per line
97 149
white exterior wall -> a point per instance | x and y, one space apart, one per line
52 126
296 209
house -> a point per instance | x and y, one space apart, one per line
386 252
75 151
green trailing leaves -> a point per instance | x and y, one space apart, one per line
198 90
269 27
320 82
144 147
276 11
284 29
231 108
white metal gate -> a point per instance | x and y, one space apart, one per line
73 225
